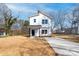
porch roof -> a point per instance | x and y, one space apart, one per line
34 26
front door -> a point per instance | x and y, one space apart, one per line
33 32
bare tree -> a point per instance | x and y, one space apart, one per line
75 22
9 20
60 19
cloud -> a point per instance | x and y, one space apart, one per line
19 8
11 6
23 11
28 9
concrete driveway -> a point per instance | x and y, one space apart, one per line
63 47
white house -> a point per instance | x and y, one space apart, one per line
40 25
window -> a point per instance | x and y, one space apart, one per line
44 31
34 20
44 21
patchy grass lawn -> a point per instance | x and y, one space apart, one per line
74 38
24 46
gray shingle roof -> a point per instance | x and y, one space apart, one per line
44 13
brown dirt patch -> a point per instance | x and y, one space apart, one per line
24 46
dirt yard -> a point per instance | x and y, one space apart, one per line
74 38
24 46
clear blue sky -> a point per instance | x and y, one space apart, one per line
24 10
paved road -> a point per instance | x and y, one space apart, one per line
63 47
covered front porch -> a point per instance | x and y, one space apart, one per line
34 30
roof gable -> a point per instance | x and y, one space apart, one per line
45 14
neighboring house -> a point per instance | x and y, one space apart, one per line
2 30
16 29
40 25
16 26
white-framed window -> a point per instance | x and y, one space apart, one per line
44 31
34 20
44 21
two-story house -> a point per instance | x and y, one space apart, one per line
40 24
